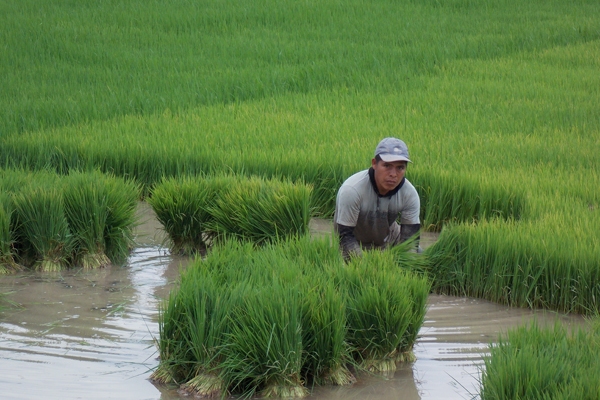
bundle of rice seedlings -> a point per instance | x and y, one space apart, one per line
261 210
379 310
43 225
314 254
324 330
170 343
87 211
193 324
418 287
181 206
251 319
7 260
122 197
535 362
263 351
207 306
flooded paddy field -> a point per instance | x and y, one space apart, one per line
89 334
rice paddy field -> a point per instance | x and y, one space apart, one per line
498 101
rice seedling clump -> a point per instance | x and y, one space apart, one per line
196 211
7 251
535 362
276 319
181 206
496 260
54 222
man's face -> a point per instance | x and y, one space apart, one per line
388 174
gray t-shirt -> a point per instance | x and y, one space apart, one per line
358 205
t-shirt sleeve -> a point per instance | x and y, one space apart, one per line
347 206
412 209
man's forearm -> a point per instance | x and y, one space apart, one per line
408 231
348 243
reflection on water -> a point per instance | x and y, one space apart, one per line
83 334
90 335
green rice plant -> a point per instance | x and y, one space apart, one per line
314 255
517 264
326 355
206 306
122 197
181 205
99 210
264 350
185 345
172 347
382 315
232 261
273 318
42 224
242 60
13 180
87 212
7 252
417 287
534 362
209 324
484 93
262 210
447 198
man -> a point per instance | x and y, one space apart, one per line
369 203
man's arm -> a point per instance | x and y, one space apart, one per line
407 231
348 243
410 224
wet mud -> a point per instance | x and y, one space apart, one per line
90 334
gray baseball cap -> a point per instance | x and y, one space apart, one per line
391 149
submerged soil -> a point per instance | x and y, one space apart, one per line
90 334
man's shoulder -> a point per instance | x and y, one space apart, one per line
408 186
355 187
407 192
359 178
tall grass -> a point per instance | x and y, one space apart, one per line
326 354
101 214
533 362
264 348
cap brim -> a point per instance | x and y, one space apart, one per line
393 157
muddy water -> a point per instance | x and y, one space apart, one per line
90 334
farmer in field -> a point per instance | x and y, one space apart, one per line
369 203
